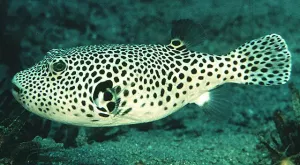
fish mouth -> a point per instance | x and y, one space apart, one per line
16 89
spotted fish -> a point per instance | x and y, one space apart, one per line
109 85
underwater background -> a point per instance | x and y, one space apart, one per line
257 125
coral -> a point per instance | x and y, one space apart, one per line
17 131
295 101
286 150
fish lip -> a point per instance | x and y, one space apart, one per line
16 87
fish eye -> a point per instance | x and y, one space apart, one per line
59 66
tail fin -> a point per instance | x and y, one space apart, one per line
263 61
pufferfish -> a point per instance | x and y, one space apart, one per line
116 84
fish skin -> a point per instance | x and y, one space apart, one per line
109 85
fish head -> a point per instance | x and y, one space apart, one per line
56 88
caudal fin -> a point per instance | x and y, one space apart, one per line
263 61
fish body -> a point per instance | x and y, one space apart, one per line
109 85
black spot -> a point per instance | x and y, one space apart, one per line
124 64
141 87
154 95
89 115
160 103
170 75
186 60
181 75
83 102
251 58
168 98
178 63
209 73
93 74
194 71
170 86
111 106
108 74
254 68
264 70
116 79
101 71
103 114
184 68
91 107
180 85
269 65
163 81
131 66
259 56
209 66
194 62
227 59
174 79
123 73
126 111
133 92
243 60
162 92
181 47
107 96
157 83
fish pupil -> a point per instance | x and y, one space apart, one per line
59 66
176 43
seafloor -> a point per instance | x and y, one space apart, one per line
29 28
